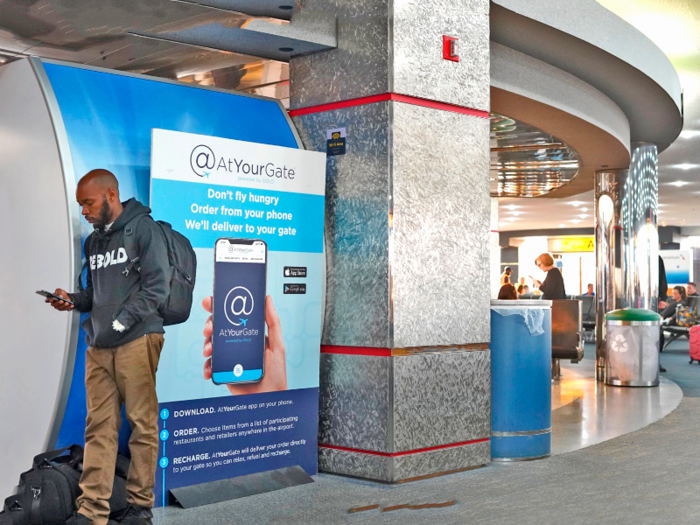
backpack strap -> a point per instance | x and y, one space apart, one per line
86 264
130 246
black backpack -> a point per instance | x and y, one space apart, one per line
48 491
183 268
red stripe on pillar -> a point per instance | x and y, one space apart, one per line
389 96
395 454
355 350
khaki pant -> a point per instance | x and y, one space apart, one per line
115 376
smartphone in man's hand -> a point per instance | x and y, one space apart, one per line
50 295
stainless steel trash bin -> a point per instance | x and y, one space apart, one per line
632 347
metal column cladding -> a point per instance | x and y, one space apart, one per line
608 244
405 378
639 205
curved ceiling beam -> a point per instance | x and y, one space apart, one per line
583 38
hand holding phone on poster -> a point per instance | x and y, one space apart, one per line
275 378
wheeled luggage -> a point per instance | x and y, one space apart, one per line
695 344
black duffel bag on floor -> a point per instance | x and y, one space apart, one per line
48 491
51 487
13 512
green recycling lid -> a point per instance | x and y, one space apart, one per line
632 314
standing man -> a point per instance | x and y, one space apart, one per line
692 290
125 336
505 276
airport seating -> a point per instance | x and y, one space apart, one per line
588 315
567 333
677 331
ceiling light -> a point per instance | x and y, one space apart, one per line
583 215
575 203
679 183
584 209
512 207
516 213
575 221
685 166
690 133
562 225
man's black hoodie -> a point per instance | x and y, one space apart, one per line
132 299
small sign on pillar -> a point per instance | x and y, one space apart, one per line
450 48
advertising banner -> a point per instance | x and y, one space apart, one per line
106 119
679 266
254 214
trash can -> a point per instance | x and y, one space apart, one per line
521 392
632 347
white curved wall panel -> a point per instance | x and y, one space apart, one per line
37 252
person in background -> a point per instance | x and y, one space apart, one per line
505 276
590 290
680 298
692 290
521 281
663 285
553 285
507 292
663 295
523 288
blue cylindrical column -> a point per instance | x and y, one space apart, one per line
521 395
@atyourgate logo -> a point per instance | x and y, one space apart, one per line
239 302
202 160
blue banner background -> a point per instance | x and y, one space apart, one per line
173 200
108 120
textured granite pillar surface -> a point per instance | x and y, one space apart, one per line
407 227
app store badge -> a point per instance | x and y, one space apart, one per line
295 271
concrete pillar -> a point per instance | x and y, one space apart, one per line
405 364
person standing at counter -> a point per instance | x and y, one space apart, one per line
505 276
553 285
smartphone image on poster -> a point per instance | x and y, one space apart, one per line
238 341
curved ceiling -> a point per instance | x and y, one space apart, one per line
588 41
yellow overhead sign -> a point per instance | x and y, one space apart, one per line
572 244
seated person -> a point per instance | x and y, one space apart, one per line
523 288
668 310
692 290
507 292
590 290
